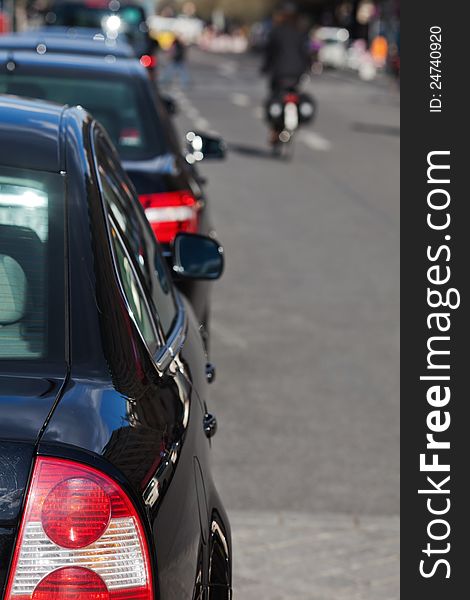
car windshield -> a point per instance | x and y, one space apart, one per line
31 267
122 106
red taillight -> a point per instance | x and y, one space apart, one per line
81 538
171 213
294 98
147 61
63 584
96 3
76 513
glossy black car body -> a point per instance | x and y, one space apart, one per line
96 14
103 399
166 171
59 40
83 42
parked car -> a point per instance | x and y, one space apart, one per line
85 42
114 18
120 95
333 42
88 42
105 486
166 29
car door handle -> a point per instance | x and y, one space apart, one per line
210 425
210 373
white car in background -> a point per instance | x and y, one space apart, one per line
189 29
333 52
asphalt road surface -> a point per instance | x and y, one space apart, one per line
305 335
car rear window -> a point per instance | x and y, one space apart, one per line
121 106
31 266
83 15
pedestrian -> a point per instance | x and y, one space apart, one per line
178 63
379 50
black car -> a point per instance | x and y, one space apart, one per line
120 95
84 42
113 17
105 488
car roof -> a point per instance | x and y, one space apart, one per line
93 43
72 62
31 133
62 30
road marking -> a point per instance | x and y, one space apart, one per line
192 113
202 123
241 100
228 69
182 100
315 141
178 93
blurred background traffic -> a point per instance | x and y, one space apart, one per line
304 326
357 35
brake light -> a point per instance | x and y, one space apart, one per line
64 583
171 213
76 513
96 4
147 61
294 98
80 538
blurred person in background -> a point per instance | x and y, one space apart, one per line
287 58
379 50
287 55
315 46
178 63
4 22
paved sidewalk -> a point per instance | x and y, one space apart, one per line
293 556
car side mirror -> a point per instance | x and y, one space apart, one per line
202 146
197 256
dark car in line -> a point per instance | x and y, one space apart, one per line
120 95
105 487
115 18
86 42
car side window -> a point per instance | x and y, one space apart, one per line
134 293
132 223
